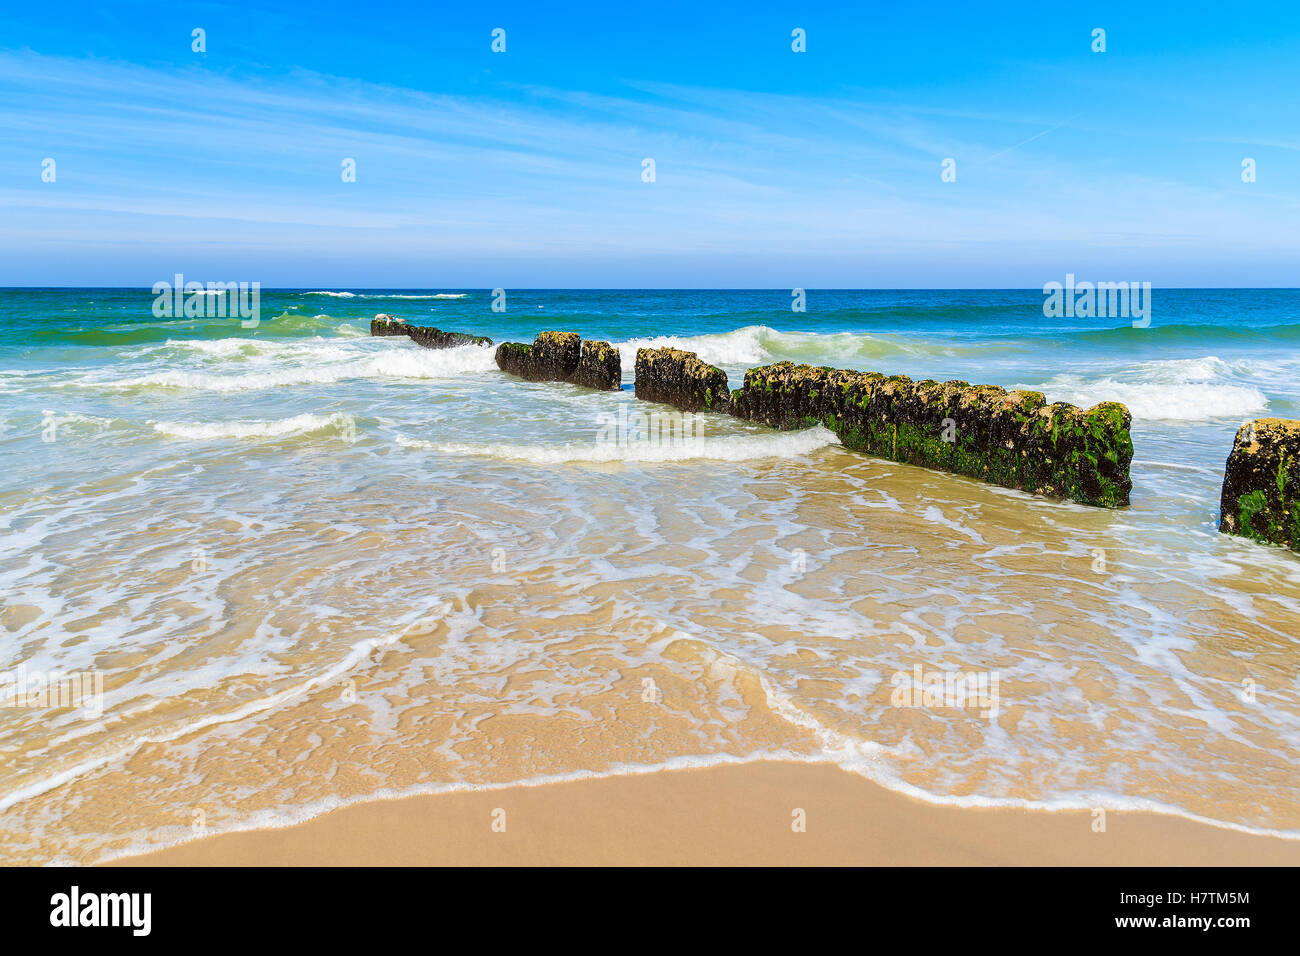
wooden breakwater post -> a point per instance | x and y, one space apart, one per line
1261 483
563 357
680 379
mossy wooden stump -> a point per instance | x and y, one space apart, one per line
599 366
425 335
1260 483
680 379
1012 439
563 357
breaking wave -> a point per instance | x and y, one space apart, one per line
323 366
1171 390
277 428
761 345
391 295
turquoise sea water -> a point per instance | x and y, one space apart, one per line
1209 359
225 521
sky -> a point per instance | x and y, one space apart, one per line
527 168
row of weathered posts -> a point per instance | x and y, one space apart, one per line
1015 439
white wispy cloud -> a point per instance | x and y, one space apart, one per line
223 159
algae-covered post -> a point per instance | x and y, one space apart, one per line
552 357
1260 483
680 379
563 357
424 335
385 324
1014 439
599 366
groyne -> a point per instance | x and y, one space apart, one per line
563 357
1015 439
424 335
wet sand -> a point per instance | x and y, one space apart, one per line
731 815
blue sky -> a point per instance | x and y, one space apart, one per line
773 168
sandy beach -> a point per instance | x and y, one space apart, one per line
734 815
450 579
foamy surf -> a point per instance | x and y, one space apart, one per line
391 295
295 816
1171 390
402 361
861 757
762 345
305 424
359 652
726 448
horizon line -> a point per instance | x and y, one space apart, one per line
148 288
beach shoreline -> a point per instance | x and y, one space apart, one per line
450 580
739 814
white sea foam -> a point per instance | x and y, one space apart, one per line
315 348
1172 390
64 418
738 347
359 652
761 345
935 515
394 295
726 448
314 367
297 425
218 347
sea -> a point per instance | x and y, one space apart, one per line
250 572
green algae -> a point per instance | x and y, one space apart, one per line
1012 439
